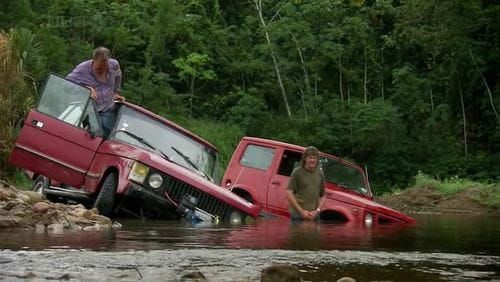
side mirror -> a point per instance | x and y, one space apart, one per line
86 125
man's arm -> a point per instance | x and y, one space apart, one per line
78 75
117 73
317 211
293 202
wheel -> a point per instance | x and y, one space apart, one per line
106 197
40 184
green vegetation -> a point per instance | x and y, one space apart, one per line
487 194
401 86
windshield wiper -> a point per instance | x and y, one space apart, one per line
190 162
145 142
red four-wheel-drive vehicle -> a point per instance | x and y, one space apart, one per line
148 165
260 169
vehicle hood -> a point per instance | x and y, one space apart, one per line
367 204
179 172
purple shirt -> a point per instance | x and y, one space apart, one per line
84 75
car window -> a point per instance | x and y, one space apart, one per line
342 174
65 101
257 157
289 161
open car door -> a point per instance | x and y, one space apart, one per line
59 138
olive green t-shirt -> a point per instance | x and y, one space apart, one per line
307 186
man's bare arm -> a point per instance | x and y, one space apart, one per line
293 202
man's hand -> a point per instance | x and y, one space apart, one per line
314 213
93 93
117 97
306 215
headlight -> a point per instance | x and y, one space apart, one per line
368 219
139 172
235 218
155 180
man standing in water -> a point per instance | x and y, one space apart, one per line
103 76
306 189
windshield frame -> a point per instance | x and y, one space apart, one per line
156 121
350 166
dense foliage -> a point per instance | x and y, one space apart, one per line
401 86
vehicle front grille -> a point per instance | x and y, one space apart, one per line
176 190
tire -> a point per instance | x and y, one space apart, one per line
106 198
40 184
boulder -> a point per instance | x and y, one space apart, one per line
100 219
195 276
346 279
39 228
79 212
9 220
55 228
41 207
34 197
280 273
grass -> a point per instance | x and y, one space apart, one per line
20 181
486 194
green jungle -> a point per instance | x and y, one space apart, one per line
405 87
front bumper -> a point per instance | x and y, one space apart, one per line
147 196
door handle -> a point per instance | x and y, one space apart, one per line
37 123
275 182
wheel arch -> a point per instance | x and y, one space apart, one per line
246 193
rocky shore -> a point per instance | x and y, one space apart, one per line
27 209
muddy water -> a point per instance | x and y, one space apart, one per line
449 248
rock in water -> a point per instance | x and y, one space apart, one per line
281 273
194 277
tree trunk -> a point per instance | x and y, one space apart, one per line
365 90
484 82
191 95
303 64
340 80
258 6
463 113
382 72
432 98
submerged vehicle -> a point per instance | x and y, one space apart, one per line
260 169
148 165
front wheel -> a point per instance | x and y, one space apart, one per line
106 198
40 184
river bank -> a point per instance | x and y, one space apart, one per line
31 210
430 200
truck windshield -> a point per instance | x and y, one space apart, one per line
343 175
195 156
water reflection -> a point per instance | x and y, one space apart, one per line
447 234
279 234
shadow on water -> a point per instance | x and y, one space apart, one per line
436 248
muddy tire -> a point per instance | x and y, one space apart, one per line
106 199
40 184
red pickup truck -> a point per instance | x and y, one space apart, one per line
260 169
147 165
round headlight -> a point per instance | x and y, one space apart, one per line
155 180
235 218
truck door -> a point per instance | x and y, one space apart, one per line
276 191
60 137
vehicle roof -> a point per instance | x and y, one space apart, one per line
297 148
170 124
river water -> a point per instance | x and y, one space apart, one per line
437 248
